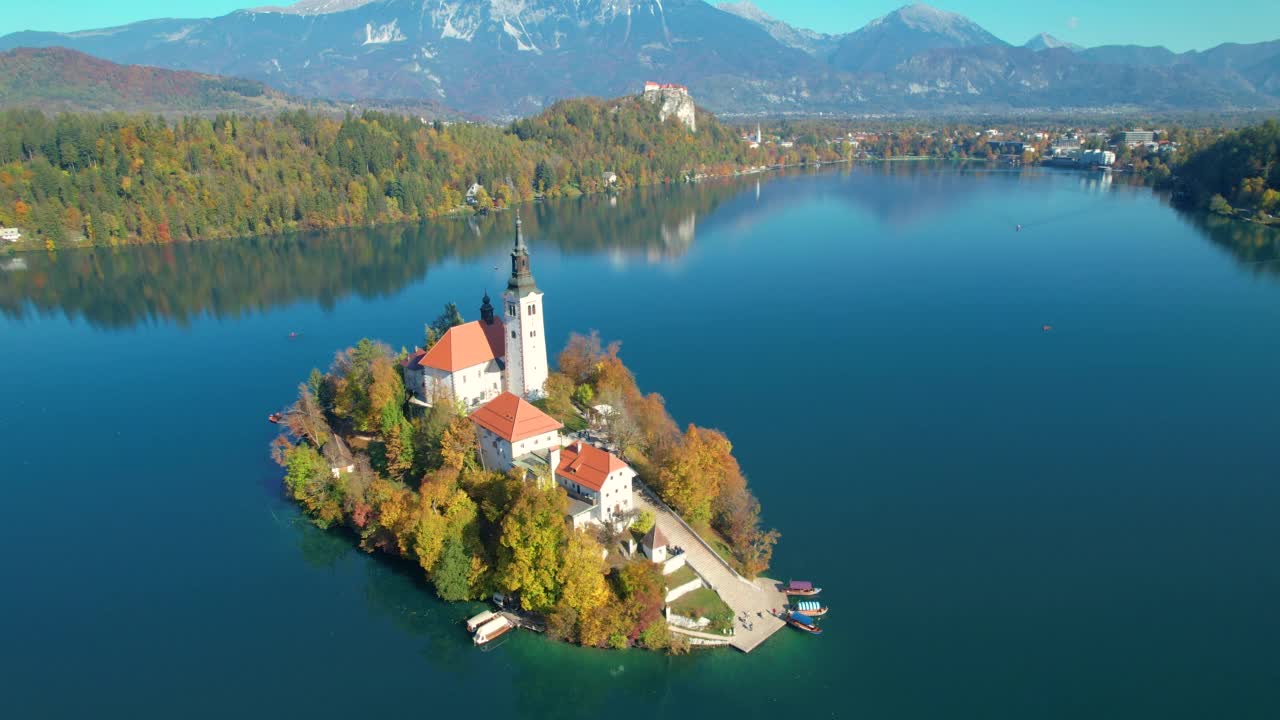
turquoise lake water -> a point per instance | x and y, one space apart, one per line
1007 522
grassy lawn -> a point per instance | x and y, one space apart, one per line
680 577
718 544
705 603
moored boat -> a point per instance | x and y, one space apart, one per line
800 621
275 417
475 622
491 630
812 608
801 587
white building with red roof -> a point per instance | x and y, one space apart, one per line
475 361
512 432
597 478
467 362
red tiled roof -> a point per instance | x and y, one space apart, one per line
462 346
512 418
587 465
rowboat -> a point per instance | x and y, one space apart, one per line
801 587
812 608
275 417
800 621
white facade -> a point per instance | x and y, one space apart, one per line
526 345
471 386
10 233
611 501
496 453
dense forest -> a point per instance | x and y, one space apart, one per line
409 483
111 179
1242 169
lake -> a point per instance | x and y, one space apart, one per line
1008 522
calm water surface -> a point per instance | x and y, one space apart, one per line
1009 523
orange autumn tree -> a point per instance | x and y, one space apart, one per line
695 471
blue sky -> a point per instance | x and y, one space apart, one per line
1178 24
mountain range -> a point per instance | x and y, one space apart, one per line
501 58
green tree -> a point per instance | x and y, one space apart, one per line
452 572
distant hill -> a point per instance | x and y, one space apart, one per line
60 79
56 79
501 59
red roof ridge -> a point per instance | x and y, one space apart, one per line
513 418
461 346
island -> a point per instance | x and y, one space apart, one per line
570 497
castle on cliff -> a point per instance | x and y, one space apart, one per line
674 100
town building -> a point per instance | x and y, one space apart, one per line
474 362
1102 158
597 479
1137 137
10 233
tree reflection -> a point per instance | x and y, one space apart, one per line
179 283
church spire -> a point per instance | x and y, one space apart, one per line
486 309
521 280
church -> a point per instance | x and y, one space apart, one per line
477 361
494 366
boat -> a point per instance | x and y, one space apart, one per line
1046 328
492 630
474 623
812 608
275 417
801 587
800 621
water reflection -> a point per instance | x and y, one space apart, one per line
178 283
119 288
1256 247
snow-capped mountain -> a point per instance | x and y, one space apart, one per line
905 33
500 58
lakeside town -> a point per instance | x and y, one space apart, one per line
92 180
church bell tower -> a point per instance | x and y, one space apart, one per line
526 370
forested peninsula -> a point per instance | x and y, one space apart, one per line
117 179
408 481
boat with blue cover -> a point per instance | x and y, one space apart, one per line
800 621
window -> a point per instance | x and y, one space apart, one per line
513 334
533 309
533 333
512 309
